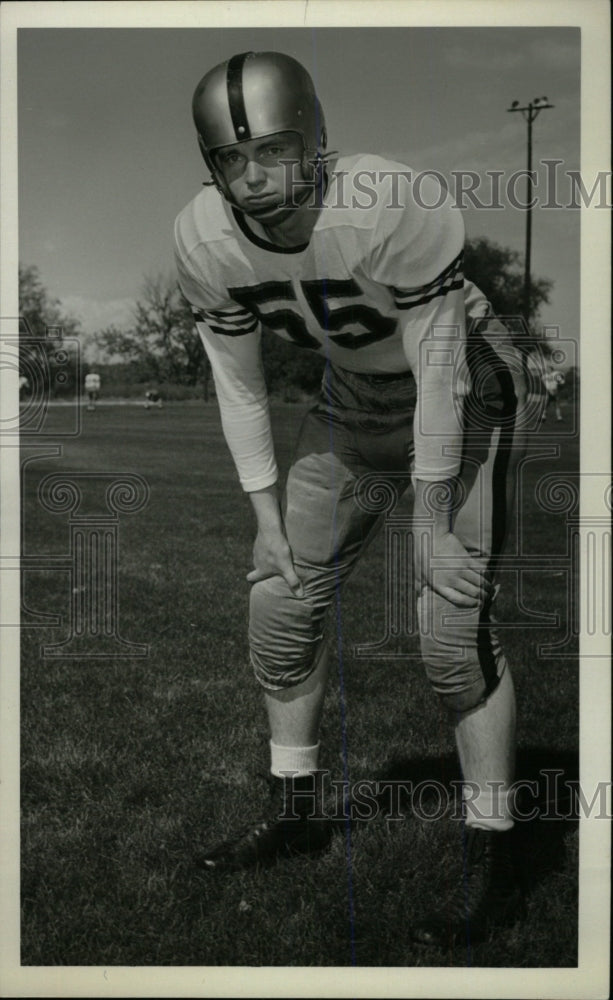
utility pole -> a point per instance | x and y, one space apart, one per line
529 112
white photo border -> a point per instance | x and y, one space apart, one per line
591 977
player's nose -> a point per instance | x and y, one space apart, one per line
254 174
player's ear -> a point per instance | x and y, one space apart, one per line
202 148
215 181
313 160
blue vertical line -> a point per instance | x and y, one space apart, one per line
339 624
341 677
465 876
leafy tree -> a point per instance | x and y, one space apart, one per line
39 310
46 358
162 345
498 272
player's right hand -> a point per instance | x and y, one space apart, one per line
272 556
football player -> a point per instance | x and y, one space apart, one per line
285 237
153 398
92 388
552 380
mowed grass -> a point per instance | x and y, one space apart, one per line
131 765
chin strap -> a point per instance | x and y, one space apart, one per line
325 157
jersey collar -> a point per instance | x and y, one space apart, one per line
264 244
259 241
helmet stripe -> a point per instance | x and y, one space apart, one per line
236 99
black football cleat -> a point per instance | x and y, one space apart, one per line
288 831
487 896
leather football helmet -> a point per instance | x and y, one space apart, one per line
256 94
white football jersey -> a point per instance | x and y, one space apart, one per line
380 277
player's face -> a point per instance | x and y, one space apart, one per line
263 175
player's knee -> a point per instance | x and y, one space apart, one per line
461 691
284 634
463 676
463 662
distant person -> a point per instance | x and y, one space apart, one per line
552 380
153 398
92 388
24 386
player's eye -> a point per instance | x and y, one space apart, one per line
273 152
230 158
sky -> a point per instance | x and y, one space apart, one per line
108 155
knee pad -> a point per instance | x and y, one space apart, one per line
461 653
285 633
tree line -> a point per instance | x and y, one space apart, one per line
161 347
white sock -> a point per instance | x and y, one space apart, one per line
488 809
300 760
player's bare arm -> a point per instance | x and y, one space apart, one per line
272 555
440 559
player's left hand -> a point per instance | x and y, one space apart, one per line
451 571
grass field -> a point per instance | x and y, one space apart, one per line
130 765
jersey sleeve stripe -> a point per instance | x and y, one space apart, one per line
236 332
235 313
230 324
450 278
450 286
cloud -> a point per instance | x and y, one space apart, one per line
95 315
554 55
504 148
460 56
542 52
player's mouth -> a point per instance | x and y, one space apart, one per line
261 201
